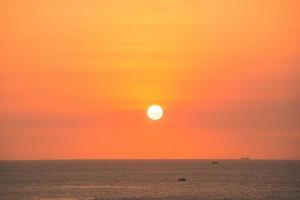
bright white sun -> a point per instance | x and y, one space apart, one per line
155 112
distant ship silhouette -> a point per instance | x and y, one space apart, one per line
245 158
181 179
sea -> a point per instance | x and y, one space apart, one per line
150 180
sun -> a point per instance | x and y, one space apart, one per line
155 112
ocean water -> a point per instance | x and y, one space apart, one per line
149 179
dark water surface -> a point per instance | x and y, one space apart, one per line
149 179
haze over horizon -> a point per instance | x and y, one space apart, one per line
77 77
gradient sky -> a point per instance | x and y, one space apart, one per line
76 78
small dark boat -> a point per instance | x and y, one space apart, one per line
245 158
181 179
214 162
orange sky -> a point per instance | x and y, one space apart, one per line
76 78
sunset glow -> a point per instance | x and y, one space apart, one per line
155 112
76 78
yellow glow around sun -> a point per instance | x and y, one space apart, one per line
155 112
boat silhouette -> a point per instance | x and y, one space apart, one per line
245 158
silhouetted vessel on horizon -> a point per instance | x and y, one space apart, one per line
245 158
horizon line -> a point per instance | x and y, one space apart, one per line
120 159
